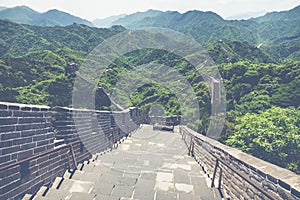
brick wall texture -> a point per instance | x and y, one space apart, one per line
36 142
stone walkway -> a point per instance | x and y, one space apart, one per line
150 165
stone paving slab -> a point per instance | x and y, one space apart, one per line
160 195
82 196
58 194
103 188
122 191
145 195
150 165
105 197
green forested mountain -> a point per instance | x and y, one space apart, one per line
26 15
233 51
203 26
18 39
277 33
33 60
258 60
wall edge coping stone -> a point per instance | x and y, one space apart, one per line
24 107
70 109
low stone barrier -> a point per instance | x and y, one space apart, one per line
239 175
39 143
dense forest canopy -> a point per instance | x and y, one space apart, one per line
258 60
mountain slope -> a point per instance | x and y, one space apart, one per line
25 15
20 39
234 51
129 21
205 27
19 14
107 22
2 8
283 15
59 18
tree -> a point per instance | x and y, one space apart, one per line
273 135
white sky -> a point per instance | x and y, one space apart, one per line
92 9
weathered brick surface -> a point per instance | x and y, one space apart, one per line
278 182
28 130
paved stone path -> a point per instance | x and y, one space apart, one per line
150 165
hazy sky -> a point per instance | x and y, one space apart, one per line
92 9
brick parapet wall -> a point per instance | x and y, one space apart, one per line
28 156
25 130
237 167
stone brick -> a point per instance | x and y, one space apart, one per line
296 193
30 120
4 144
23 127
9 136
22 140
6 129
40 137
5 113
5 158
19 192
44 142
8 179
25 154
38 126
27 146
10 150
284 185
28 133
27 114
13 107
39 149
26 108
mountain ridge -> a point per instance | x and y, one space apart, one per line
54 17
107 22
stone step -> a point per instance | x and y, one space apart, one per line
86 176
67 175
106 197
76 186
103 188
95 167
27 197
82 196
80 166
42 191
57 182
94 158
58 194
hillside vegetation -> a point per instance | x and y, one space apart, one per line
262 84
